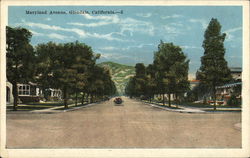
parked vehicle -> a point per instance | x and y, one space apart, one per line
118 100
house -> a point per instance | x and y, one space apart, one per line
9 96
223 92
226 91
236 73
30 92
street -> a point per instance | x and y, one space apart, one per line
133 124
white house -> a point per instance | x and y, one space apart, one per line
30 92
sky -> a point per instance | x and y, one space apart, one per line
131 34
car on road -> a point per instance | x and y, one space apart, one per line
118 100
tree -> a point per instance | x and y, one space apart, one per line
47 55
140 79
150 81
66 66
214 70
130 87
20 58
171 70
100 83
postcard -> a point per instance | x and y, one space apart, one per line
124 79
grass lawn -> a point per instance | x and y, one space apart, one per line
200 105
197 105
72 106
35 106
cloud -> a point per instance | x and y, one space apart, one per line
106 36
101 23
77 31
144 15
234 29
57 36
171 30
139 46
191 47
105 20
102 17
172 16
51 35
229 33
111 48
203 22
130 25
178 24
81 33
37 33
114 56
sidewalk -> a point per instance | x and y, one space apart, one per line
185 109
57 109
71 107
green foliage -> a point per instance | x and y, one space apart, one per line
130 87
214 70
196 92
71 67
168 74
233 101
20 58
171 69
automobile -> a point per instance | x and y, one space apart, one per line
118 100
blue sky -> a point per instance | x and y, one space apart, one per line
134 35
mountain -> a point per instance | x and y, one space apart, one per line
120 74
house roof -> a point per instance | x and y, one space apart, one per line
235 69
229 85
194 81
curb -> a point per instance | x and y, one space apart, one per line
178 110
52 111
187 110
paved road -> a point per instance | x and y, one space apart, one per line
133 125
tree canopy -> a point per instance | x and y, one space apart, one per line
167 75
71 67
214 70
20 58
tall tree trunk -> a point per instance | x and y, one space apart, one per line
169 99
87 97
65 97
214 96
15 96
91 98
76 99
163 99
83 97
177 99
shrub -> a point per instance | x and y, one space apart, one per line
233 101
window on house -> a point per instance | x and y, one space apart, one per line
24 90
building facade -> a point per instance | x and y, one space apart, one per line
30 92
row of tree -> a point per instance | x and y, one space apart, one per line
167 75
70 67
169 71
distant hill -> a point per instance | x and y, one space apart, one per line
120 74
